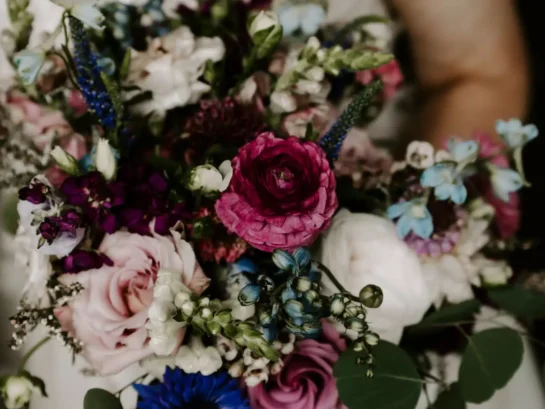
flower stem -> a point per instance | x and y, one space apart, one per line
27 356
336 282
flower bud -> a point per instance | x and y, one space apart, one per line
105 161
205 178
203 302
236 370
188 308
66 162
16 391
355 324
371 338
206 313
371 296
283 260
181 298
266 32
337 306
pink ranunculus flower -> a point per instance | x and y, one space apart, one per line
507 213
321 118
390 74
306 380
110 314
282 194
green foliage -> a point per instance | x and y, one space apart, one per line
490 360
101 399
450 399
519 301
37 382
10 217
21 20
395 385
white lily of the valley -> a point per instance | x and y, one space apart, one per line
84 10
105 161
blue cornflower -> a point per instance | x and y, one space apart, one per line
447 177
188 391
515 134
413 216
504 181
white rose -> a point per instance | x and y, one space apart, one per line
17 392
362 249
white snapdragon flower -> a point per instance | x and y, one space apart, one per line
171 68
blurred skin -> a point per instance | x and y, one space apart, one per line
470 63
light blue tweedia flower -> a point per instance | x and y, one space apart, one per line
413 216
447 177
187 391
515 134
504 181
306 17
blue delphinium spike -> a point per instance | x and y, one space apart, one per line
89 77
332 142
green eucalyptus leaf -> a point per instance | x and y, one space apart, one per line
490 360
10 217
450 399
453 313
519 301
395 385
100 399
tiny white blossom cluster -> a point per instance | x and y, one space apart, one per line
253 369
164 330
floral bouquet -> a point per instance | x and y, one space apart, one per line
197 199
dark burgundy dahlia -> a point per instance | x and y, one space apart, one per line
226 122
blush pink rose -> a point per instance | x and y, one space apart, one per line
390 74
507 213
109 316
306 380
282 194
44 125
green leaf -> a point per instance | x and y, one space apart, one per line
519 301
453 313
37 382
396 384
101 399
10 217
125 65
450 399
490 360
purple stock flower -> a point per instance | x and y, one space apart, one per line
53 226
96 197
83 260
147 201
35 193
